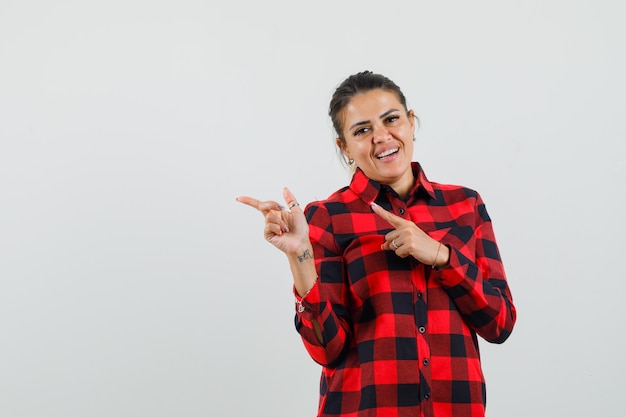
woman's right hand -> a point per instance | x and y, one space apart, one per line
285 229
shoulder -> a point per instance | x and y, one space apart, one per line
337 203
454 193
444 193
459 199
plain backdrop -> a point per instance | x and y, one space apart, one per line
132 283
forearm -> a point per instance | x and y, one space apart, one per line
302 264
481 295
318 269
324 330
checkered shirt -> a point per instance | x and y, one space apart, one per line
400 337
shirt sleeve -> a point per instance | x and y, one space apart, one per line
325 304
477 282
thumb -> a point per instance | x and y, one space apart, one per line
290 199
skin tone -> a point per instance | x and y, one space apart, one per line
289 232
378 136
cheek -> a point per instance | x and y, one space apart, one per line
362 149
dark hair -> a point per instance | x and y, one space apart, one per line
354 85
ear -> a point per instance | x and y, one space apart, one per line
411 115
343 148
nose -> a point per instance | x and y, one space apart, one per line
380 133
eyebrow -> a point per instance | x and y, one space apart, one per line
382 116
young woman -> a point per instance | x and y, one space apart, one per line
394 275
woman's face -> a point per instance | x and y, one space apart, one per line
378 135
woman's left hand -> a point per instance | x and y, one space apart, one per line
408 239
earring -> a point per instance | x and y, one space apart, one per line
351 161
414 139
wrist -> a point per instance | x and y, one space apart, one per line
304 288
301 254
298 247
302 264
442 256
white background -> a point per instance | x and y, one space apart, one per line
133 284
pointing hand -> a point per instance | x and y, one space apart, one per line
286 229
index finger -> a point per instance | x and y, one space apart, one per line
395 221
262 206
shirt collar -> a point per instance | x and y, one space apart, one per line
368 189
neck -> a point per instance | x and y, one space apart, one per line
404 185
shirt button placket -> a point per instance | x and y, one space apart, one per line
423 346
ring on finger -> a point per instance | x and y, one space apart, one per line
394 244
293 204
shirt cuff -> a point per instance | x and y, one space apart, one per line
451 274
310 301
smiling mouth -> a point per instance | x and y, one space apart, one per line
387 153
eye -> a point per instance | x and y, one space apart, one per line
361 131
392 119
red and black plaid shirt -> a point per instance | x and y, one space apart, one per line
400 338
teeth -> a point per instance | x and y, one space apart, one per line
387 153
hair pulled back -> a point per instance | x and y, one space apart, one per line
355 84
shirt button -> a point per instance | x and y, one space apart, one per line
401 211
422 329
419 294
425 362
426 396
